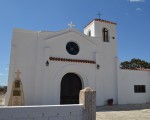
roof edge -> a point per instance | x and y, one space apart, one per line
100 20
138 69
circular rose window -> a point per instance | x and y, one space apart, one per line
72 48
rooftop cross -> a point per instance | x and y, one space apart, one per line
99 15
17 74
71 24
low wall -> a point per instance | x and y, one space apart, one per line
86 110
53 112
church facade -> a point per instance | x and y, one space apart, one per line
55 66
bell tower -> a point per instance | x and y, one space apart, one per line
105 33
103 29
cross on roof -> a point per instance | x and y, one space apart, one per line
71 24
18 73
99 15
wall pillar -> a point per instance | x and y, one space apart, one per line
88 99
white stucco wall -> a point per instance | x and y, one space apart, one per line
90 27
126 82
66 112
24 58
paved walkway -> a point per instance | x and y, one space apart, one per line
124 112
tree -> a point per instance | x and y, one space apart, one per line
134 64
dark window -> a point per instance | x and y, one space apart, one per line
16 93
139 89
105 35
89 33
17 84
72 48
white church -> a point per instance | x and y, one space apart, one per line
55 66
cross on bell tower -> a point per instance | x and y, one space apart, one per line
99 15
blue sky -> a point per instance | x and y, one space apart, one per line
132 16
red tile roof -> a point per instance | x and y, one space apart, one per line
100 20
138 69
72 60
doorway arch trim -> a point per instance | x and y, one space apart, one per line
70 69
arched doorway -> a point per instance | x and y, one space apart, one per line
70 87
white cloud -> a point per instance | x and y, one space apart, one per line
136 0
1 74
138 9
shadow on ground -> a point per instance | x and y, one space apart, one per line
127 107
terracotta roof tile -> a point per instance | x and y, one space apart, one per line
100 20
138 69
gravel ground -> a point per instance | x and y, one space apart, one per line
124 112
